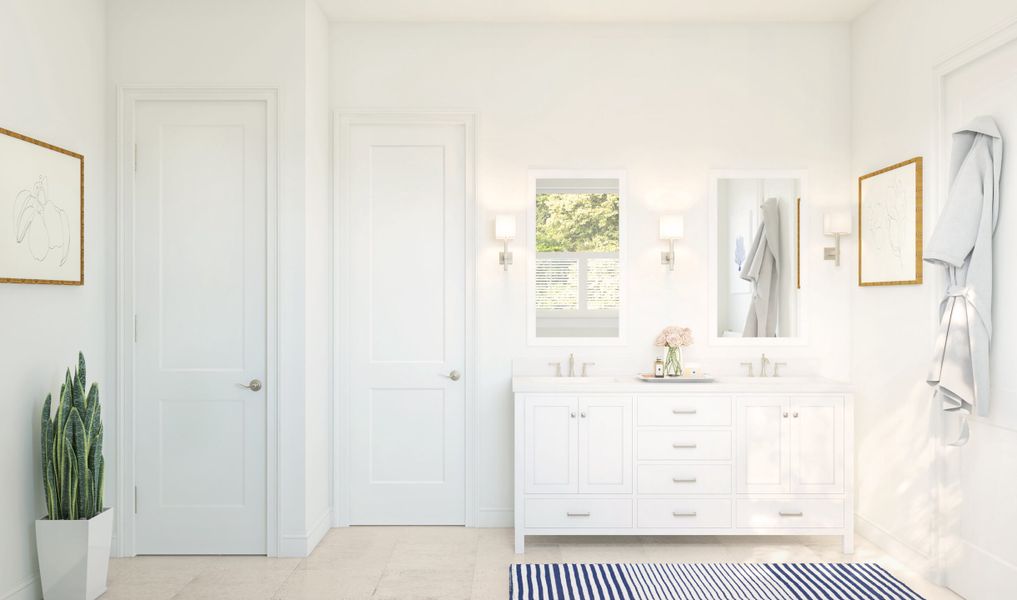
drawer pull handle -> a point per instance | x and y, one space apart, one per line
683 411
577 514
682 445
791 514
683 479
684 514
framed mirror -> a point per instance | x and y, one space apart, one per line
756 296
576 225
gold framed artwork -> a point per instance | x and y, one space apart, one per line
42 212
890 225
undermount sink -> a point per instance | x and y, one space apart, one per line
579 380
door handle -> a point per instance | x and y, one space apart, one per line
453 375
254 386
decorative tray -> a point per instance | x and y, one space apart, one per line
683 379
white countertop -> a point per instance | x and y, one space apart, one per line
631 384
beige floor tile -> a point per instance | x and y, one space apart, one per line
425 584
450 563
335 584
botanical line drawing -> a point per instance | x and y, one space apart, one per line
40 225
886 218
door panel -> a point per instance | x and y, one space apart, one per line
762 454
200 298
407 202
980 489
605 445
551 445
817 445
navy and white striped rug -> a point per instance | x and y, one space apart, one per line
714 581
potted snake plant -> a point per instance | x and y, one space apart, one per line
74 538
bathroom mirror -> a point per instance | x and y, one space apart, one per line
755 260
576 225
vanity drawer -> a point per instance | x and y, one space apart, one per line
679 513
578 513
682 410
683 478
683 444
783 514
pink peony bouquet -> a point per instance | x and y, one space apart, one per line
675 337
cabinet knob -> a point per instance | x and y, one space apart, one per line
582 414
572 414
795 415
785 414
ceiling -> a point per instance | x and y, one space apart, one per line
593 11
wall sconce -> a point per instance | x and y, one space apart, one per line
672 228
505 230
835 224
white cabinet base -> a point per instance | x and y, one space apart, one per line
685 464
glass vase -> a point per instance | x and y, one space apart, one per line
673 362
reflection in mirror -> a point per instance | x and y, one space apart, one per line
577 241
757 257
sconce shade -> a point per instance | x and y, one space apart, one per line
838 223
505 227
672 227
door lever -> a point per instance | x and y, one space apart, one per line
254 386
453 375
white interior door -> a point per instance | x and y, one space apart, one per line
407 207
762 453
199 289
977 492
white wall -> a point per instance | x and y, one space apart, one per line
257 43
667 103
895 46
318 225
52 89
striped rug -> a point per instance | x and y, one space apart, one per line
714 581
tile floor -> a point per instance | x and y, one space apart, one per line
407 563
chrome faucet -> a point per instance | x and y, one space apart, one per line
763 364
572 364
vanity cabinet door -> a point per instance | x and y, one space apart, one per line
605 445
762 453
551 447
817 445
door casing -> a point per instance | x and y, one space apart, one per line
342 120
127 99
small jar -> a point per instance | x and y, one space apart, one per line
658 368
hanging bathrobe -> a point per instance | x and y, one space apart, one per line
962 244
762 269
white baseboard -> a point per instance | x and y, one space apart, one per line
26 590
299 545
917 561
981 575
494 517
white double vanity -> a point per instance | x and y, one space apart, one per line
739 456
621 456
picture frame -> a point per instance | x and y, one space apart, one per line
890 225
42 212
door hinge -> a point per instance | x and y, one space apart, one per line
135 499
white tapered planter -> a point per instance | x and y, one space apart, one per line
74 556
